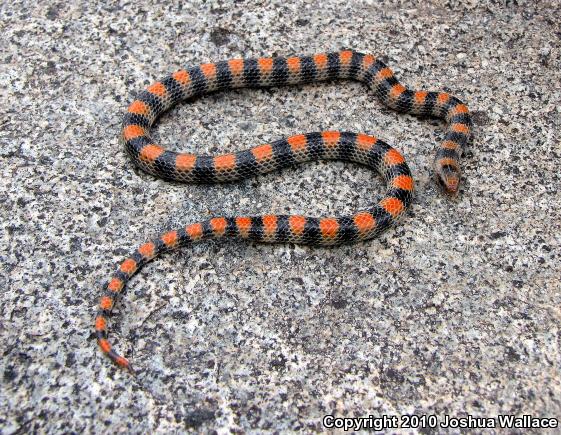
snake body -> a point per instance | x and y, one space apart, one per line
360 148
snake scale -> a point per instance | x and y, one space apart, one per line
360 148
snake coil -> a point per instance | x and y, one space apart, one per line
359 148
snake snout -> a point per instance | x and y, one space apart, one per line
449 179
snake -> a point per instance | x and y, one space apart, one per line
360 148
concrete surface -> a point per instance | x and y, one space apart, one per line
454 312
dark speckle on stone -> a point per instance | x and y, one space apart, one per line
9 374
512 355
497 235
279 362
339 303
391 376
70 359
479 117
298 281
53 12
195 419
220 36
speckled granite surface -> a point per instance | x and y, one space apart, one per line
455 311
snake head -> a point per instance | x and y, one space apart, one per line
448 177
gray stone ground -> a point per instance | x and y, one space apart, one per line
456 311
